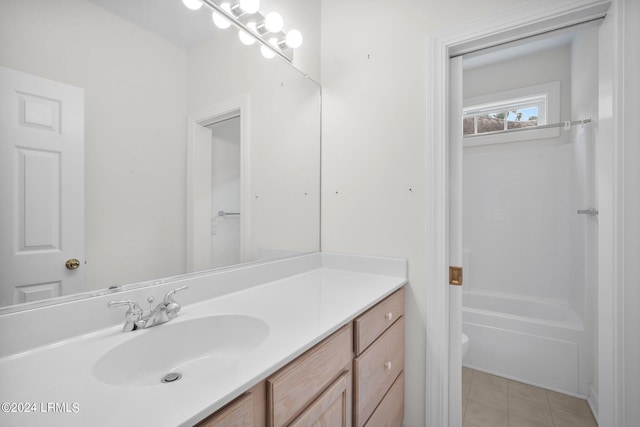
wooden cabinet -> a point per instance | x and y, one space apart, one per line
379 363
332 408
390 412
300 383
247 410
327 386
378 319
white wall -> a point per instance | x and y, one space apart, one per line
518 198
135 100
374 179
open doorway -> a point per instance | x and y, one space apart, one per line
529 227
225 192
444 305
218 187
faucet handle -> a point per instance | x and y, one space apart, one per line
133 314
133 306
172 306
168 298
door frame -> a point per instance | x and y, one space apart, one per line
510 24
204 117
455 153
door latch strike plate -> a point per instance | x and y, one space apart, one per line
455 275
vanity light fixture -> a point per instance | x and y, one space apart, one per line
270 51
219 20
266 52
246 38
192 4
245 6
293 39
272 23
252 25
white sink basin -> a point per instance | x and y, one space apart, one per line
192 348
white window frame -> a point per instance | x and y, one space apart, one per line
545 96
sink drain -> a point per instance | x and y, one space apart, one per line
171 377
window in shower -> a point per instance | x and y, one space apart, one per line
485 118
516 114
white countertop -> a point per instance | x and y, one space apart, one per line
300 311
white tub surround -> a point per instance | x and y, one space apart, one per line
48 353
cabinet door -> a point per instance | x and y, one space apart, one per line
247 410
299 383
390 411
332 408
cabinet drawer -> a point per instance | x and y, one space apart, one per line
290 390
390 412
332 408
376 369
371 324
247 410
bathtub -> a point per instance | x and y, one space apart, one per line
530 340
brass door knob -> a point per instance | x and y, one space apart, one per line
72 264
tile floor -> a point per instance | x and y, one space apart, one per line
492 401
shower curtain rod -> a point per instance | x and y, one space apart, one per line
565 125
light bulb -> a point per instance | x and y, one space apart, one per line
294 39
192 4
249 6
222 22
266 52
245 37
273 22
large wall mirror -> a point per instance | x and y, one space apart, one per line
139 142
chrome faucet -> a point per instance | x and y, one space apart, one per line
162 313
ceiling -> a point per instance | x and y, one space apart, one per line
167 18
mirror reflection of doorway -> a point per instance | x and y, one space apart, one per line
225 192
218 210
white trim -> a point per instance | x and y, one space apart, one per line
611 252
520 22
437 292
204 117
514 23
455 149
593 401
630 155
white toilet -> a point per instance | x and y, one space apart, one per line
465 345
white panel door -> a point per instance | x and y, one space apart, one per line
41 187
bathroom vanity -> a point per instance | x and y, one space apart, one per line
365 358
311 338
